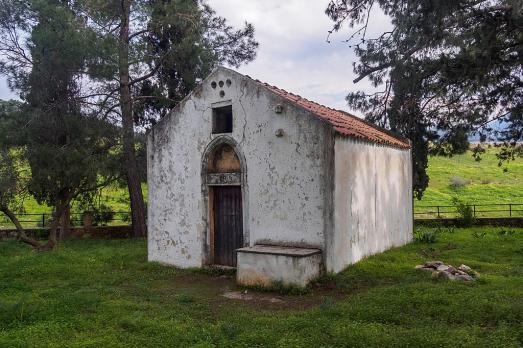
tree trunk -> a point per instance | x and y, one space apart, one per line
20 230
133 178
52 241
65 223
53 228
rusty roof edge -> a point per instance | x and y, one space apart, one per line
301 107
405 142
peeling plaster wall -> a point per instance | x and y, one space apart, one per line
372 201
285 193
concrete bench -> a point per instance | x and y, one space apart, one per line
263 265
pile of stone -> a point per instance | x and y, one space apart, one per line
440 270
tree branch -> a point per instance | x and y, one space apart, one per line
21 235
384 65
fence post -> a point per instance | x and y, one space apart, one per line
510 210
438 211
474 210
43 220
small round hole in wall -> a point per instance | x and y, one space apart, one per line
213 84
221 83
222 94
228 83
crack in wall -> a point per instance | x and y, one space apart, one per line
242 91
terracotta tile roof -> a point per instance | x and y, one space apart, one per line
343 122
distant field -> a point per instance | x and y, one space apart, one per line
484 181
481 182
115 197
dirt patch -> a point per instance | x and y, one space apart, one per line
220 291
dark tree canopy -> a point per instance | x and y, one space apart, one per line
10 181
197 50
446 68
66 148
69 152
124 61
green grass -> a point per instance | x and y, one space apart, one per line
104 294
486 182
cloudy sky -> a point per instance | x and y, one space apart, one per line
293 53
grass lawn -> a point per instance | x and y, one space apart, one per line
104 294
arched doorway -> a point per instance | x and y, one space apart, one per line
224 181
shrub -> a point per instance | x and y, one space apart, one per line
102 215
457 182
479 235
126 217
503 232
42 234
430 253
425 236
464 211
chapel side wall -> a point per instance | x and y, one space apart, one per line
284 191
372 201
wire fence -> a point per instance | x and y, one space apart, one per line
495 210
110 218
106 218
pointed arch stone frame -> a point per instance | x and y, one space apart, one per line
208 182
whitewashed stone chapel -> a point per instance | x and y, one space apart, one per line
243 174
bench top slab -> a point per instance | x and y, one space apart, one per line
280 250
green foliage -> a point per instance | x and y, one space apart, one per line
431 234
215 271
9 180
425 236
506 232
66 149
465 212
199 48
12 183
446 68
279 288
103 215
479 234
457 182
104 293
118 62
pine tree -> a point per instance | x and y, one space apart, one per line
447 68
141 58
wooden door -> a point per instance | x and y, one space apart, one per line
228 224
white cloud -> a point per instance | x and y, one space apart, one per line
293 53
5 92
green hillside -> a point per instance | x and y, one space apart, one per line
474 182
